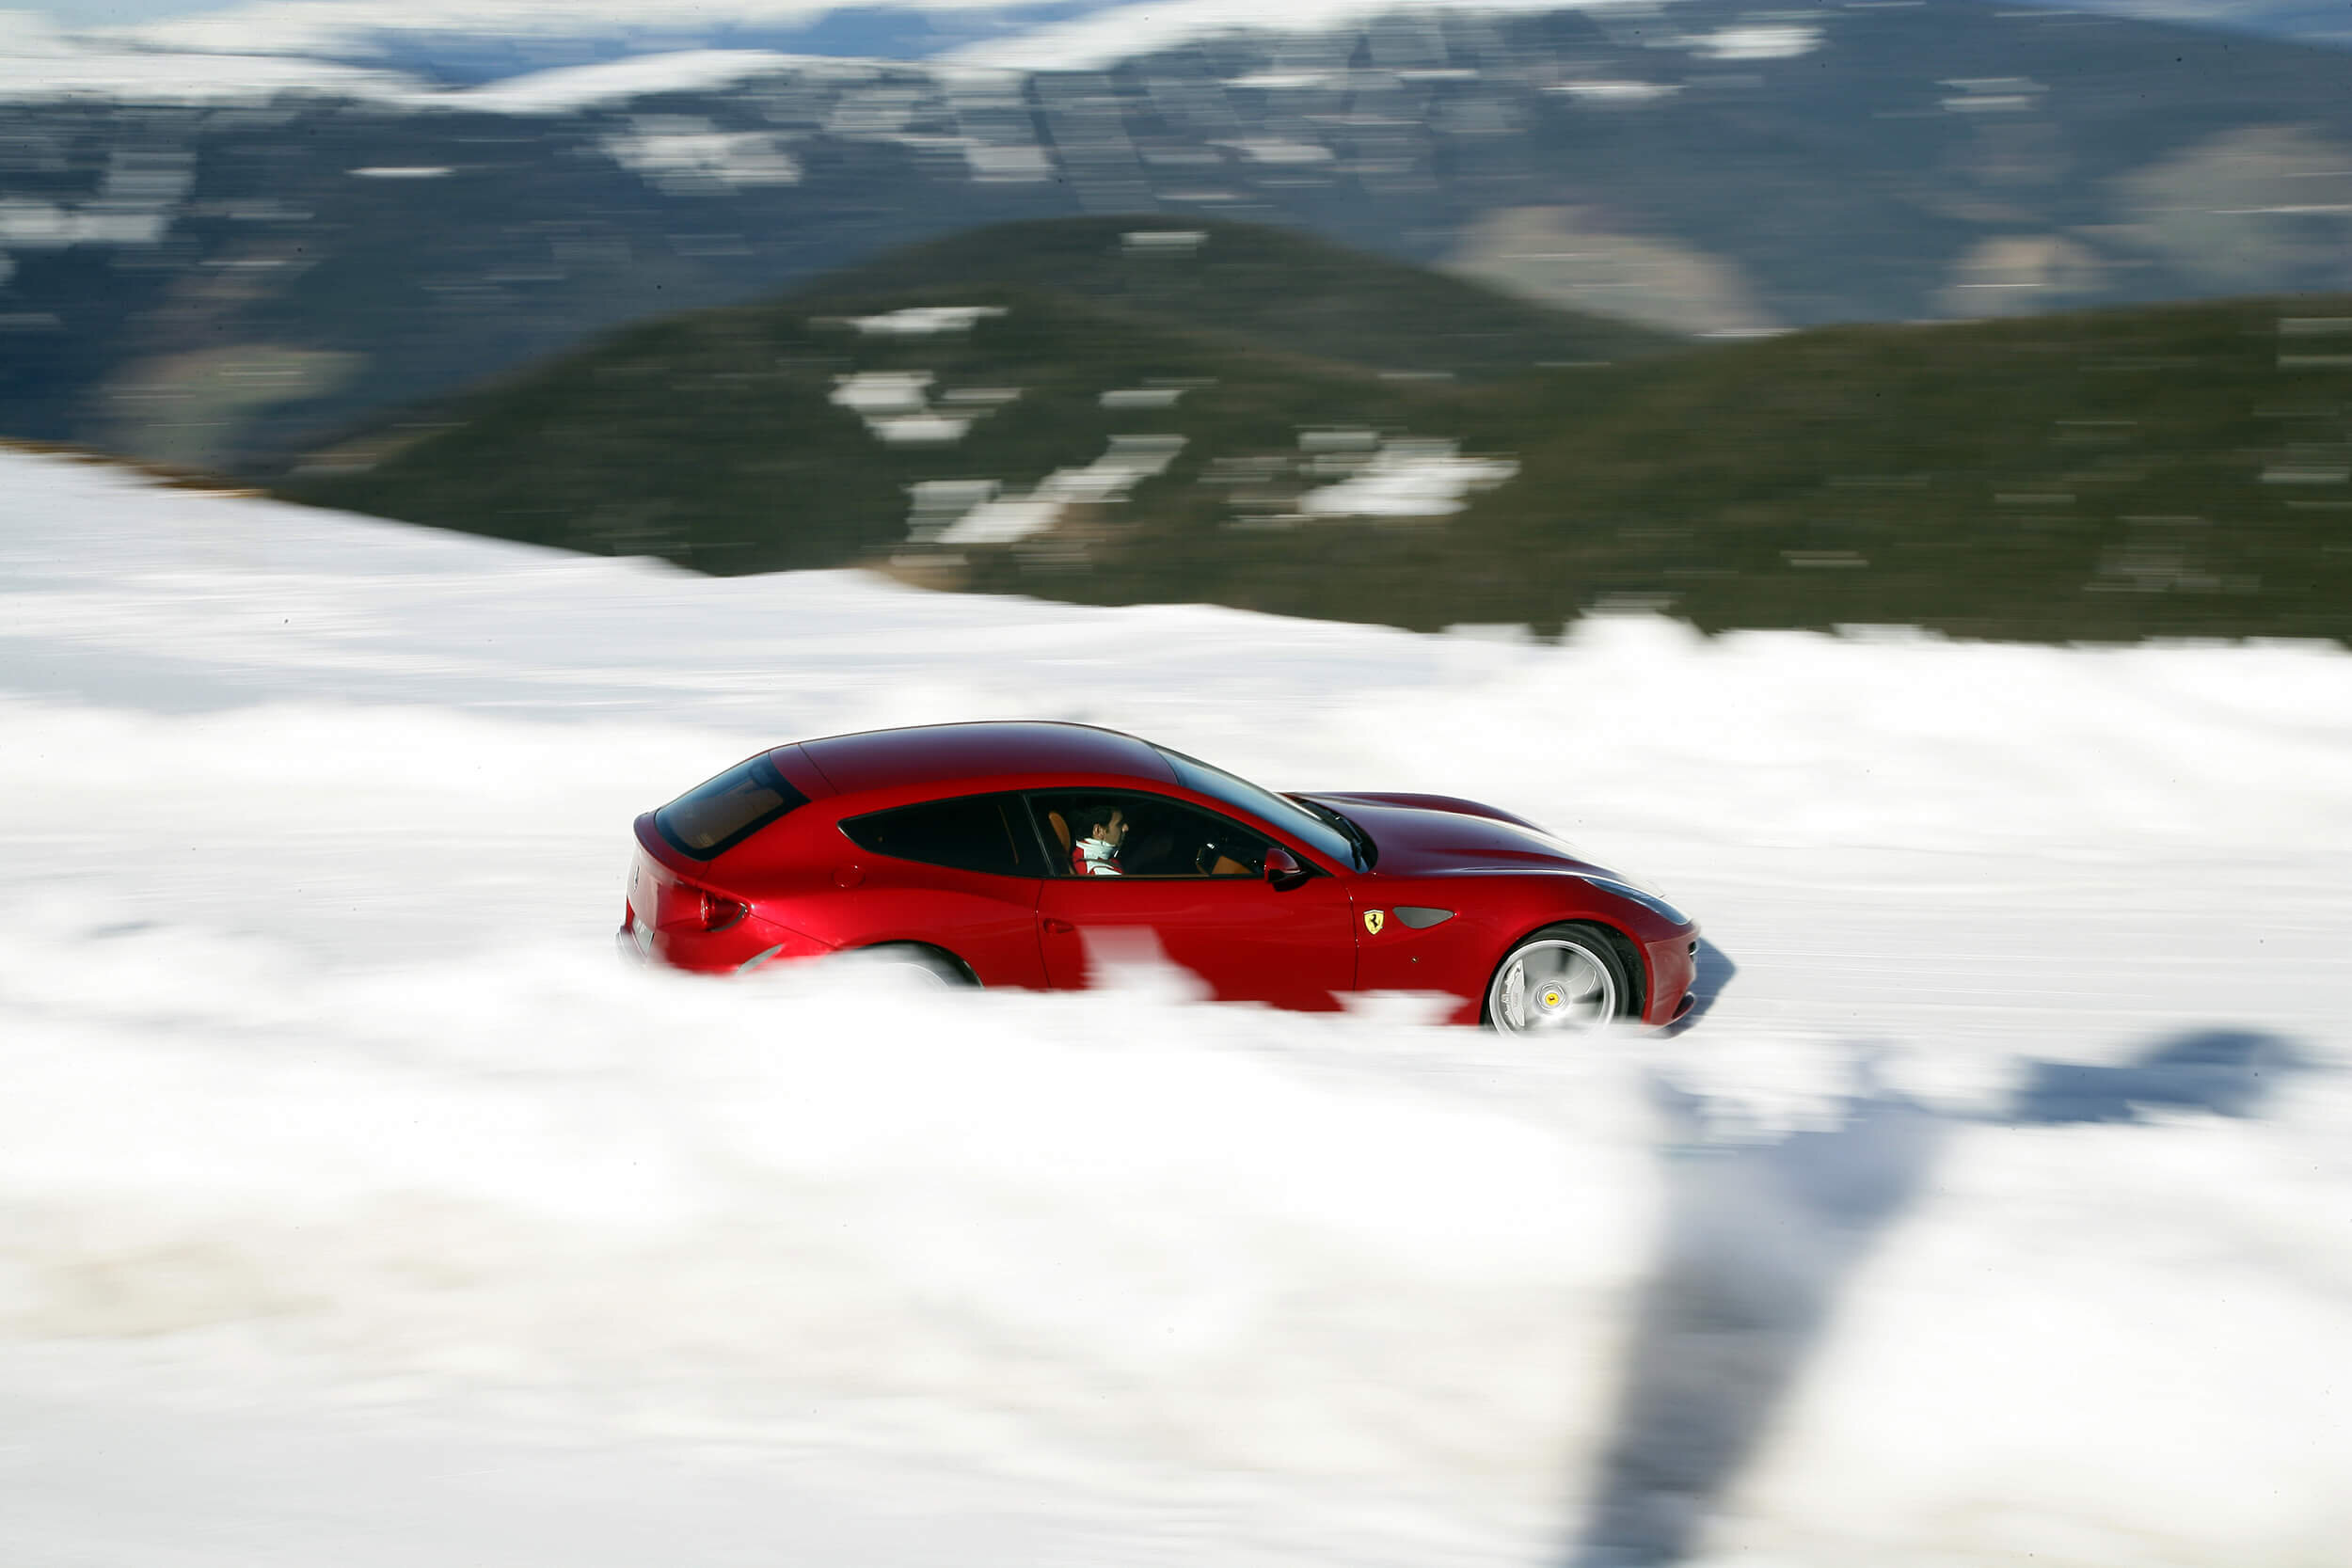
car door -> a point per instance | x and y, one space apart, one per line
960 874
1193 881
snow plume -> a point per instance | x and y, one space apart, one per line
1160 1234
1508 1293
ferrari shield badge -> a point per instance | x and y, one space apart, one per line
1375 919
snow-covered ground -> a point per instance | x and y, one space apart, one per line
357 1208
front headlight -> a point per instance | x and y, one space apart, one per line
1649 901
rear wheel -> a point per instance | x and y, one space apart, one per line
911 964
1564 979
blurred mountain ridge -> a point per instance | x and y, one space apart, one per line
219 280
2164 471
482 42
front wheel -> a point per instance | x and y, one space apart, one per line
1563 979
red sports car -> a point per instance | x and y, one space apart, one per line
986 854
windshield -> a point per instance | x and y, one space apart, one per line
1263 804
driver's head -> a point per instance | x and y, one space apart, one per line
1109 823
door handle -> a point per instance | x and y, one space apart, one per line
1058 927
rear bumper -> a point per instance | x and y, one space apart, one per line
747 945
1672 965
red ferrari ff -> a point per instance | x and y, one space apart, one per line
985 853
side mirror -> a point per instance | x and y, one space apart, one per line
1282 869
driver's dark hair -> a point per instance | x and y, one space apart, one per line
1087 815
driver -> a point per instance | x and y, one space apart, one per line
1097 854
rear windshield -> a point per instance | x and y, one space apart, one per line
716 816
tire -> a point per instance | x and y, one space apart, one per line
912 966
1564 979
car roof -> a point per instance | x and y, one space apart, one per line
934 753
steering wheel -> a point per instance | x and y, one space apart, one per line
1205 860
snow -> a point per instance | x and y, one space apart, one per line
568 89
362 1210
683 155
871 392
919 430
1095 36
925 320
262 51
1272 149
250 52
1770 42
342 27
41 65
1609 91
26 225
1141 396
1128 461
895 405
1103 37
1408 478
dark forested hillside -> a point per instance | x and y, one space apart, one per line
2163 470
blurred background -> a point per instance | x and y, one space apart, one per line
2015 322
1881 468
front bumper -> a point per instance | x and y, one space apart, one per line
1672 965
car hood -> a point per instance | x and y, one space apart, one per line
1432 836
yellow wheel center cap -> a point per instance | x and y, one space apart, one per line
1552 999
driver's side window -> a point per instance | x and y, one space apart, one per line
1132 833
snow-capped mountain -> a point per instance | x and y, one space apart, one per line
205 256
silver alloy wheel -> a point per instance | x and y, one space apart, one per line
1552 984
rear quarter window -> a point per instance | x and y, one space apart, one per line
971 833
719 813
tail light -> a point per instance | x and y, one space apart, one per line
718 912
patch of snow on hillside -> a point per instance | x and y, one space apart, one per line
53 226
1274 150
687 156
897 407
1409 478
925 320
1602 90
1141 396
1130 460
919 430
883 391
1756 43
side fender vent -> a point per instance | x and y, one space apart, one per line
1421 917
